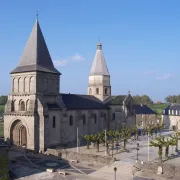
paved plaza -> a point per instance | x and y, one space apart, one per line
26 166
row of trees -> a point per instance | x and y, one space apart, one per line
161 142
3 100
173 99
144 99
123 134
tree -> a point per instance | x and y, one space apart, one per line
158 143
96 139
144 99
3 100
88 139
172 99
125 134
166 143
176 139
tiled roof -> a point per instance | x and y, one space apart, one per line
143 109
99 66
76 101
36 56
115 100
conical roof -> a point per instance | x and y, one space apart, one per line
36 56
99 66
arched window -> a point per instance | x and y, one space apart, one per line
27 105
84 119
106 90
13 105
97 90
105 117
71 120
95 118
54 121
90 91
113 116
22 106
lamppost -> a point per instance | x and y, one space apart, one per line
137 150
115 169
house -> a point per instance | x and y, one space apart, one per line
144 115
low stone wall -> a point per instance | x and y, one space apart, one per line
168 169
81 157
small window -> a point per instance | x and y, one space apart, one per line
106 90
141 123
90 91
84 119
54 121
12 105
71 120
176 112
172 112
113 116
169 112
97 90
95 119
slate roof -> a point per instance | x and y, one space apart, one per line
76 101
53 106
143 109
99 66
36 56
165 111
174 107
115 100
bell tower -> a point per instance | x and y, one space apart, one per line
99 77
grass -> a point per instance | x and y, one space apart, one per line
158 107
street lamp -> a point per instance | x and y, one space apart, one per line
137 150
115 169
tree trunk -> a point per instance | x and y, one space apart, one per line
97 145
177 146
124 144
87 144
166 152
160 153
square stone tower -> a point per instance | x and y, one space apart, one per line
35 82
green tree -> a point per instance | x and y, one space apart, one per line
144 99
88 139
96 138
176 139
125 134
158 143
3 100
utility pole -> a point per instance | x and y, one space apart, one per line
77 140
148 145
105 143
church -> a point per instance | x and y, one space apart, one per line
37 115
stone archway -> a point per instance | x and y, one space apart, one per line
18 133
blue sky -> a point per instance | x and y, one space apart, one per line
141 42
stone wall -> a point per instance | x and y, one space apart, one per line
81 157
168 169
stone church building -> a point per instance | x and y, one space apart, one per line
37 115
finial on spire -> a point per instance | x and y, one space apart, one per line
99 46
37 15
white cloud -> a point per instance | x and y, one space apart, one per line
149 72
77 57
165 76
60 63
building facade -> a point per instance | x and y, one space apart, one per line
37 115
145 116
171 117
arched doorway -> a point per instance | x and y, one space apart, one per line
18 134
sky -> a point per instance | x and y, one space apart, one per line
141 42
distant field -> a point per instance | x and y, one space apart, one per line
1 107
158 107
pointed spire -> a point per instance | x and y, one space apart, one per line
99 66
36 56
